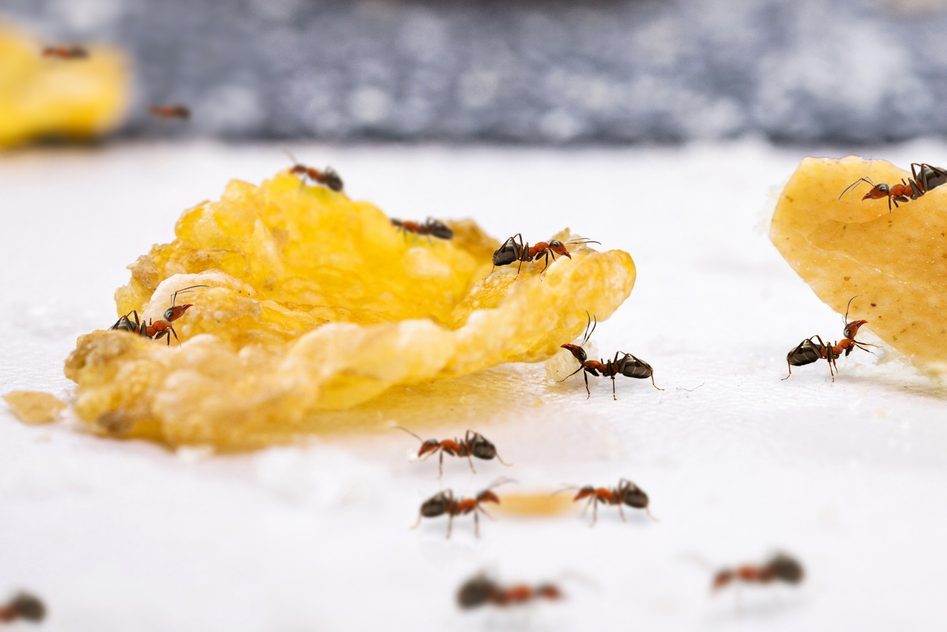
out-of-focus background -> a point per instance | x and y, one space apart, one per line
664 128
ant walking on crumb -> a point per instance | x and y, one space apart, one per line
446 503
326 177
924 177
160 328
176 111
813 349
430 227
65 52
513 249
625 493
473 444
622 364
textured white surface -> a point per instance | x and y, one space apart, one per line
850 476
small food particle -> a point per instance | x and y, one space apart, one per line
535 505
895 262
34 407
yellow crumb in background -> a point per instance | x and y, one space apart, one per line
34 407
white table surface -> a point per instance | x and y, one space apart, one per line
851 477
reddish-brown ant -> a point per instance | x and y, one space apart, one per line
65 52
924 177
473 444
430 226
445 503
176 111
622 364
23 606
481 590
812 349
513 249
625 493
780 567
160 328
326 177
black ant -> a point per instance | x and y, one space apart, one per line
924 177
513 249
430 226
626 493
23 606
622 364
160 328
780 567
65 52
473 444
812 349
445 503
481 590
326 177
176 111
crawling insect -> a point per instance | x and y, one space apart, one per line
65 52
160 328
924 177
430 226
480 590
473 444
813 349
176 111
445 503
326 177
23 606
780 567
622 364
625 493
513 249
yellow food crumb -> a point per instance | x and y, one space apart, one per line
535 505
895 262
50 97
317 303
33 407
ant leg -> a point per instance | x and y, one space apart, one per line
587 505
621 512
450 524
418 522
650 515
477 524
594 512
653 384
614 396
440 465
470 461
587 391
171 327
790 371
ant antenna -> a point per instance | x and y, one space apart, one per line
848 307
409 432
583 241
593 321
566 487
865 179
500 481
290 155
174 297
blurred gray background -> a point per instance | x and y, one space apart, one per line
530 71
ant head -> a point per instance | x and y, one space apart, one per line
549 591
488 496
481 448
786 569
877 192
331 179
476 592
577 352
559 248
584 492
173 313
428 445
435 505
851 329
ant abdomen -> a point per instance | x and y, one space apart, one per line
633 367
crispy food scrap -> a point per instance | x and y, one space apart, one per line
317 302
895 262
33 407
45 96
535 505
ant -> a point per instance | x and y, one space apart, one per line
160 328
626 493
473 444
513 249
23 606
170 111
627 364
780 567
326 177
924 177
445 503
812 349
430 226
65 52
481 590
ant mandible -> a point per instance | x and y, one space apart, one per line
780 567
23 606
160 328
65 52
481 590
924 177
513 249
625 493
445 503
627 364
177 111
430 226
813 349
326 177
473 444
